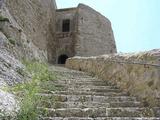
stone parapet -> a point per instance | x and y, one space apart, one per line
136 73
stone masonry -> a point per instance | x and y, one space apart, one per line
57 34
80 96
88 33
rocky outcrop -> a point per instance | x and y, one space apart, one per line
138 74
11 72
30 25
26 32
9 106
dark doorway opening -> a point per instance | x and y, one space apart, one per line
62 59
66 25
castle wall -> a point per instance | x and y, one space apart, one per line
65 40
63 14
95 35
90 33
37 21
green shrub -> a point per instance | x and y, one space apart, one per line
4 19
28 90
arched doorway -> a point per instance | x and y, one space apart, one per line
62 59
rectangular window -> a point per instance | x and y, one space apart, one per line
66 25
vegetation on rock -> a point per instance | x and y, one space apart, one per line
27 91
4 19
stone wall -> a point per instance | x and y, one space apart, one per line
95 35
90 33
65 40
138 74
63 14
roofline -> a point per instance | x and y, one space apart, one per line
54 3
66 9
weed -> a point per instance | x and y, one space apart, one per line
4 19
28 90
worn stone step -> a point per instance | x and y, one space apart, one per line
96 89
89 93
73 90
96 82
78 75
76 86
71 72
99 118
82 79
72 75
93 87
73 112
96 112
129 112
87 98
82 104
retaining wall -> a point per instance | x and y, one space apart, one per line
138 74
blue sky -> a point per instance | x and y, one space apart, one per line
136 23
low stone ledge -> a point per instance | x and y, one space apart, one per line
135 73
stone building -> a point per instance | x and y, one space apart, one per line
57 34
82 31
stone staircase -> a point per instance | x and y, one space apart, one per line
79 96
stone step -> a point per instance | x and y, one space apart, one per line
56 105
87 98
82 79
88 93
99 118
71 90
81 104
71 72
92 87
94 90
76 86
98 83
79 83
72 75
96 112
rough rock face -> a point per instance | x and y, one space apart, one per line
10 74
31 25
138 74
10 67
9 105
26 28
